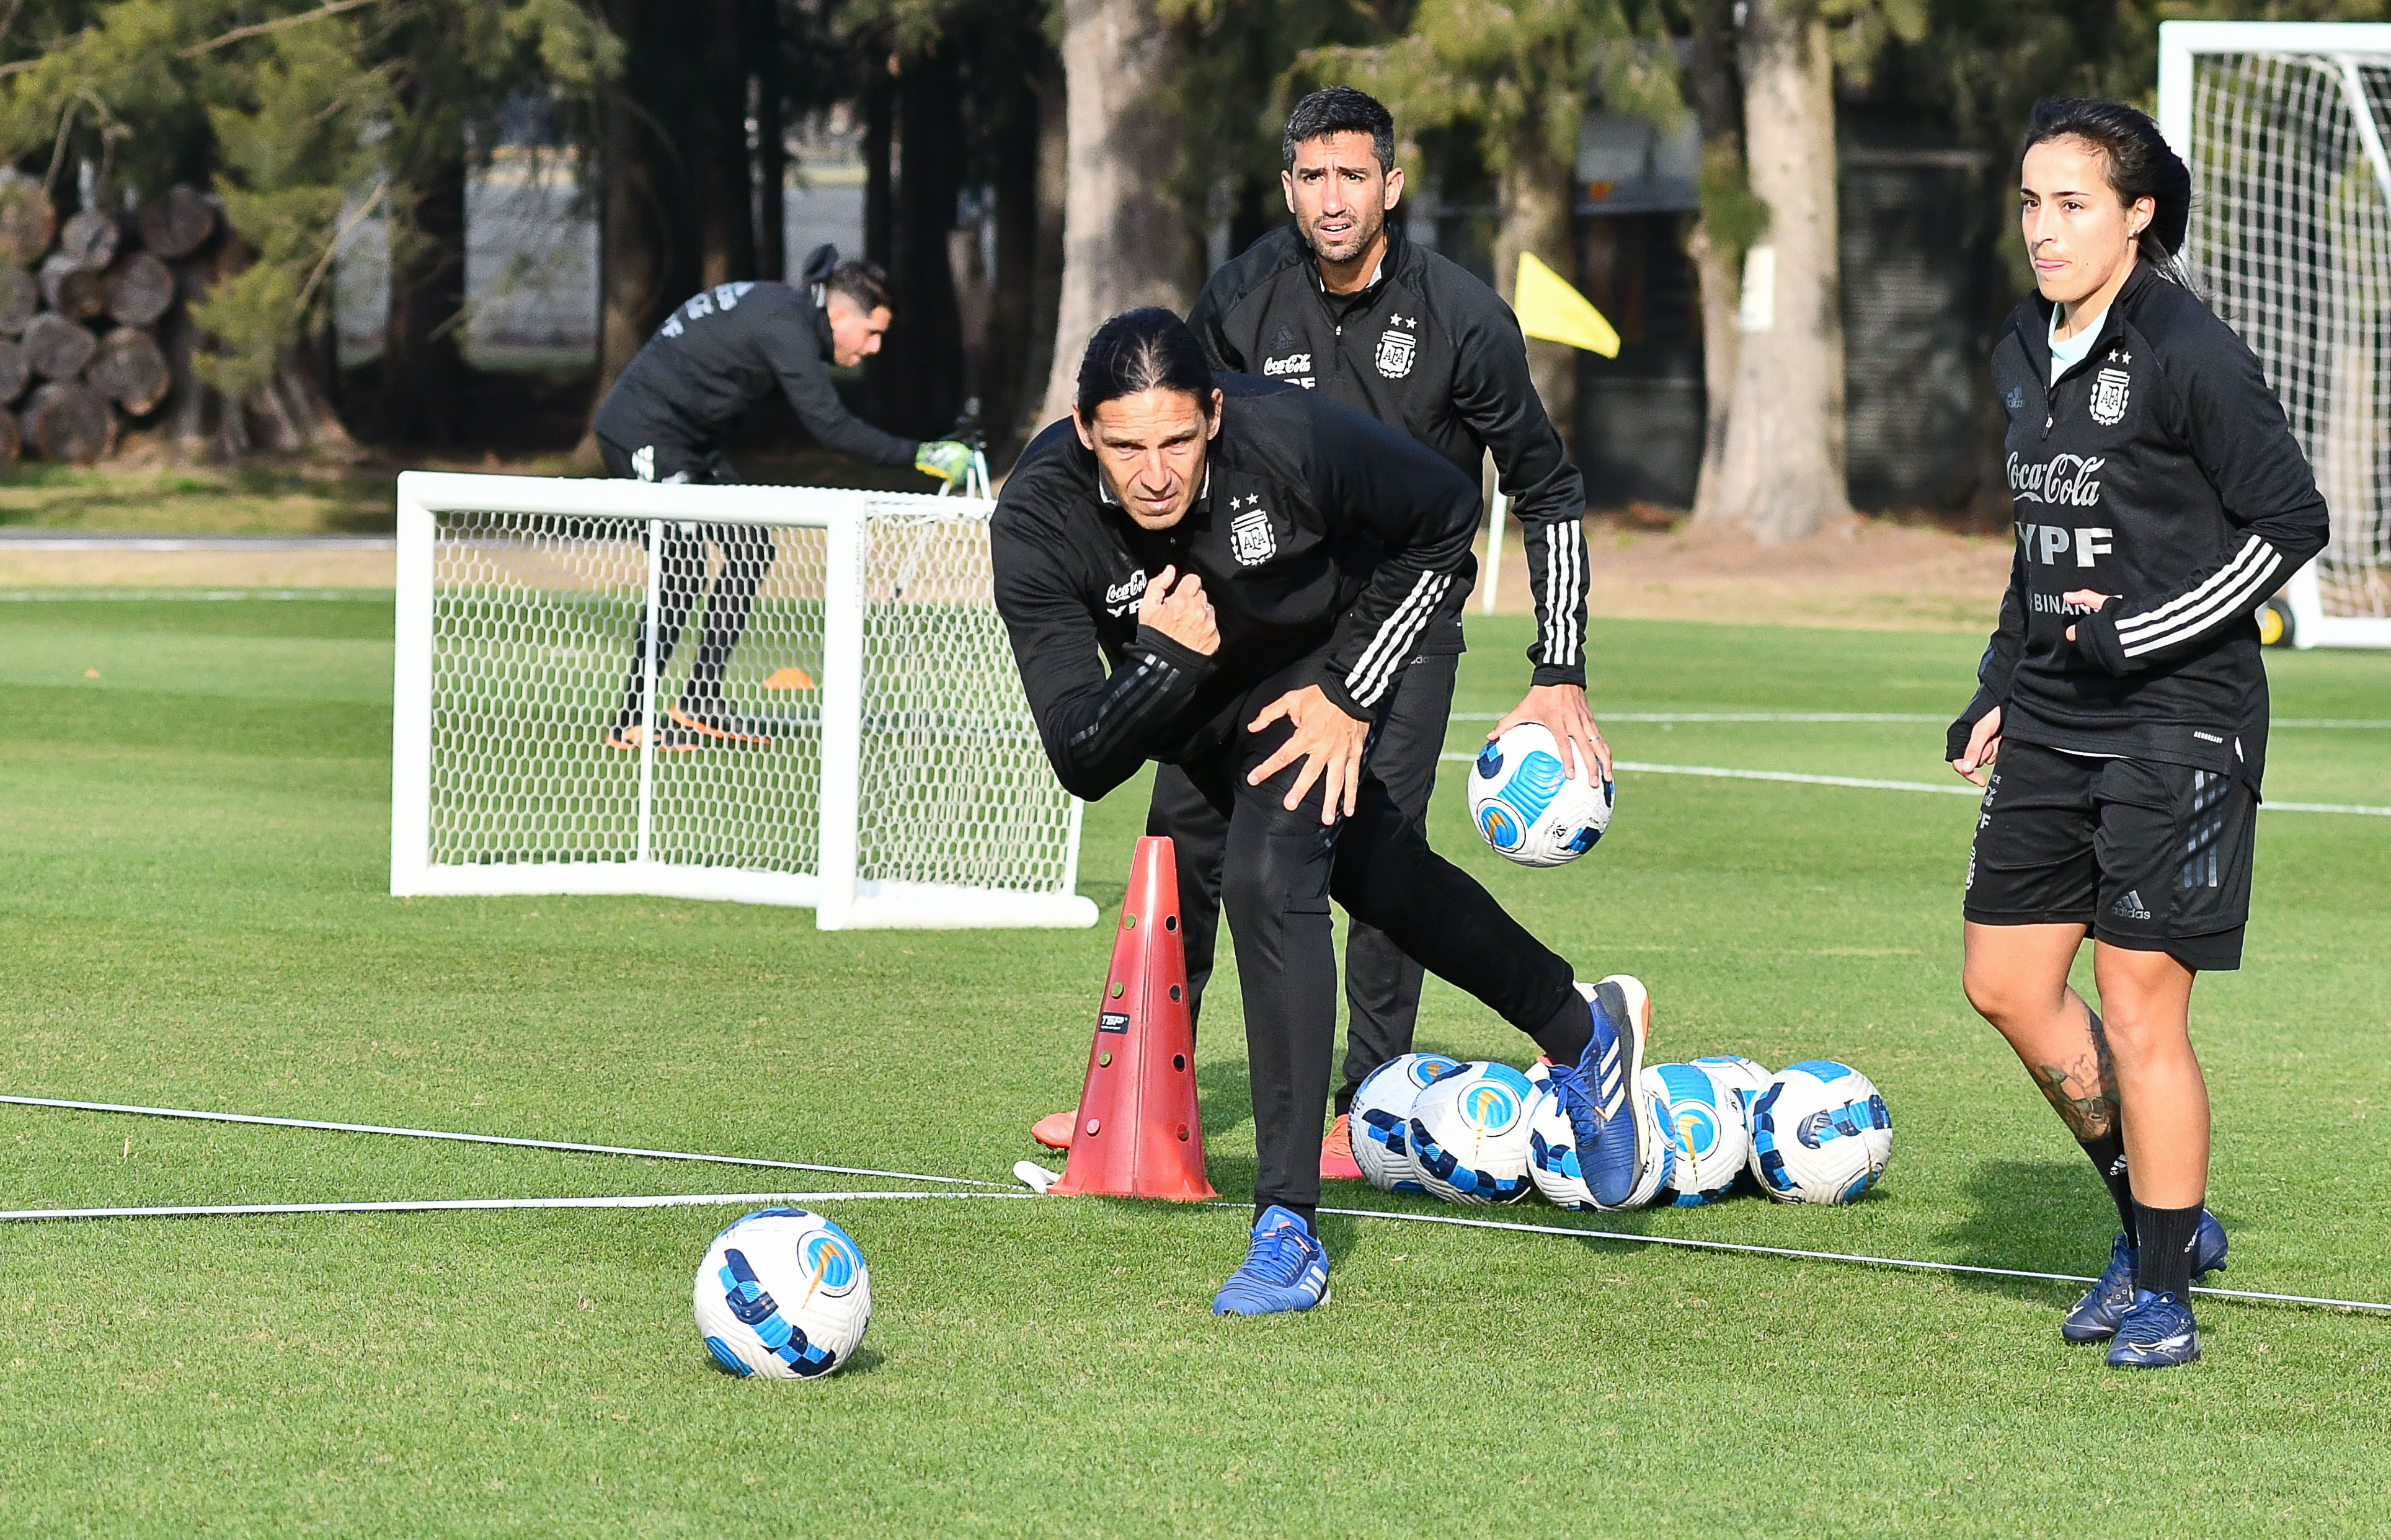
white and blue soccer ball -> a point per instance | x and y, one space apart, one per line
783 1294
1740 1081
1552 1152
1708 1140
1468 1133
1528 806
1820 1133
1381 1116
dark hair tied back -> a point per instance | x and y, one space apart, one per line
2140 166
1142 350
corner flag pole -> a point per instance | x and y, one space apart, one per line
1552 311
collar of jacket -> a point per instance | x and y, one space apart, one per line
2037 337
819 316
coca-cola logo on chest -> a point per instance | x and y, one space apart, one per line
2063 481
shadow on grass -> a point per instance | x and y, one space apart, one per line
2048 1216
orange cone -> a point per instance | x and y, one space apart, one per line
1137 1134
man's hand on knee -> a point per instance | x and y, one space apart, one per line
1328 742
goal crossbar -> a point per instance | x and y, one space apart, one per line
894 779
2282 124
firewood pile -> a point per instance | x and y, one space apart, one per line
81 305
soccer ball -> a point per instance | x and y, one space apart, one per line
1382 1115
1820 1133
784 1294
1551 1153
1707 1138
1529 806
1468 1133
1740 1081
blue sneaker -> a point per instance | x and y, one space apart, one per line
1286 1268
1613 1127
2157 1333
2096 1315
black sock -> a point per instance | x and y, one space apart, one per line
1564 1038
2108 1156
2165 1265
1305 1211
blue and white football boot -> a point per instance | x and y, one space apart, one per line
2157 1333
1286 1268
1614 1128
2096 1315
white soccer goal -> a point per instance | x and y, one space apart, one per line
902 785
2282 126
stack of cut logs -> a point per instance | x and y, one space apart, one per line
80 302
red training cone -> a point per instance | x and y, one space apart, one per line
1137 1134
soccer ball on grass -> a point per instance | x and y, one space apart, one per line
1708 1140
783 1294
1468 1133
1820 1133
1382 1115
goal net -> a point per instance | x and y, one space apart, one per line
2282 125
887 771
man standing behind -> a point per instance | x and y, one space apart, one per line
1341 303
666 420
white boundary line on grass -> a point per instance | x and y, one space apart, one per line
2371 723
64 595
1722 772
444 1205
485 1139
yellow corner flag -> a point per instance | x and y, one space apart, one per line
1549 309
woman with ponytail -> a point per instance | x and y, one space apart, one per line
2119 729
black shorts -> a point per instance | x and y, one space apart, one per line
2150 855
672 463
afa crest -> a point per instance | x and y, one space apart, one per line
1396 352
1251 539
2111 390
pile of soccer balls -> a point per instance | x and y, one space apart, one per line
1816 1132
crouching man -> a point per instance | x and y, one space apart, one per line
1229 576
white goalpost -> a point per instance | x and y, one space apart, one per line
903 785
2282 126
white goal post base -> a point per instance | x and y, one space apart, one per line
891 776
2282 124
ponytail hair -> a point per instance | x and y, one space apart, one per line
2140 166
1142 350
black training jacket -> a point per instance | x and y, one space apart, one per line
720 354
1427 349
1315 528
2159 471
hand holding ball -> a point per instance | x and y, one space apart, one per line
1529 806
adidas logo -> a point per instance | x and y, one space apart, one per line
2117 1167
2130 907
1285 338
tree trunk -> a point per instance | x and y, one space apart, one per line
1718 261
725 181
1125 243
879 167
300 389
1537 217
646 251
422 370
1046 262
1782 471
916 378
771 141
1013 286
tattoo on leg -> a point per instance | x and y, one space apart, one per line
2108 1064
2085 1100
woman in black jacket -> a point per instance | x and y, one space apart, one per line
2160 499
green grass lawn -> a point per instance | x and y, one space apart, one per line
193 822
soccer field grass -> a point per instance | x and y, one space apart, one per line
196 843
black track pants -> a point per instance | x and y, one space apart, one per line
681 580
1382 983
1279 872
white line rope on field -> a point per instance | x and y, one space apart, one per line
2370 723
39 596
1579 1234
445 1205
484 1139
1722 772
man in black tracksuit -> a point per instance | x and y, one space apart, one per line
667 420
2160 499
1418 342
1325 546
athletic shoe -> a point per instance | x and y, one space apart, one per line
1612 1125
1286 1268
1053 1131
630 737
715 719
2157 1333
2096 1315
1336 1152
